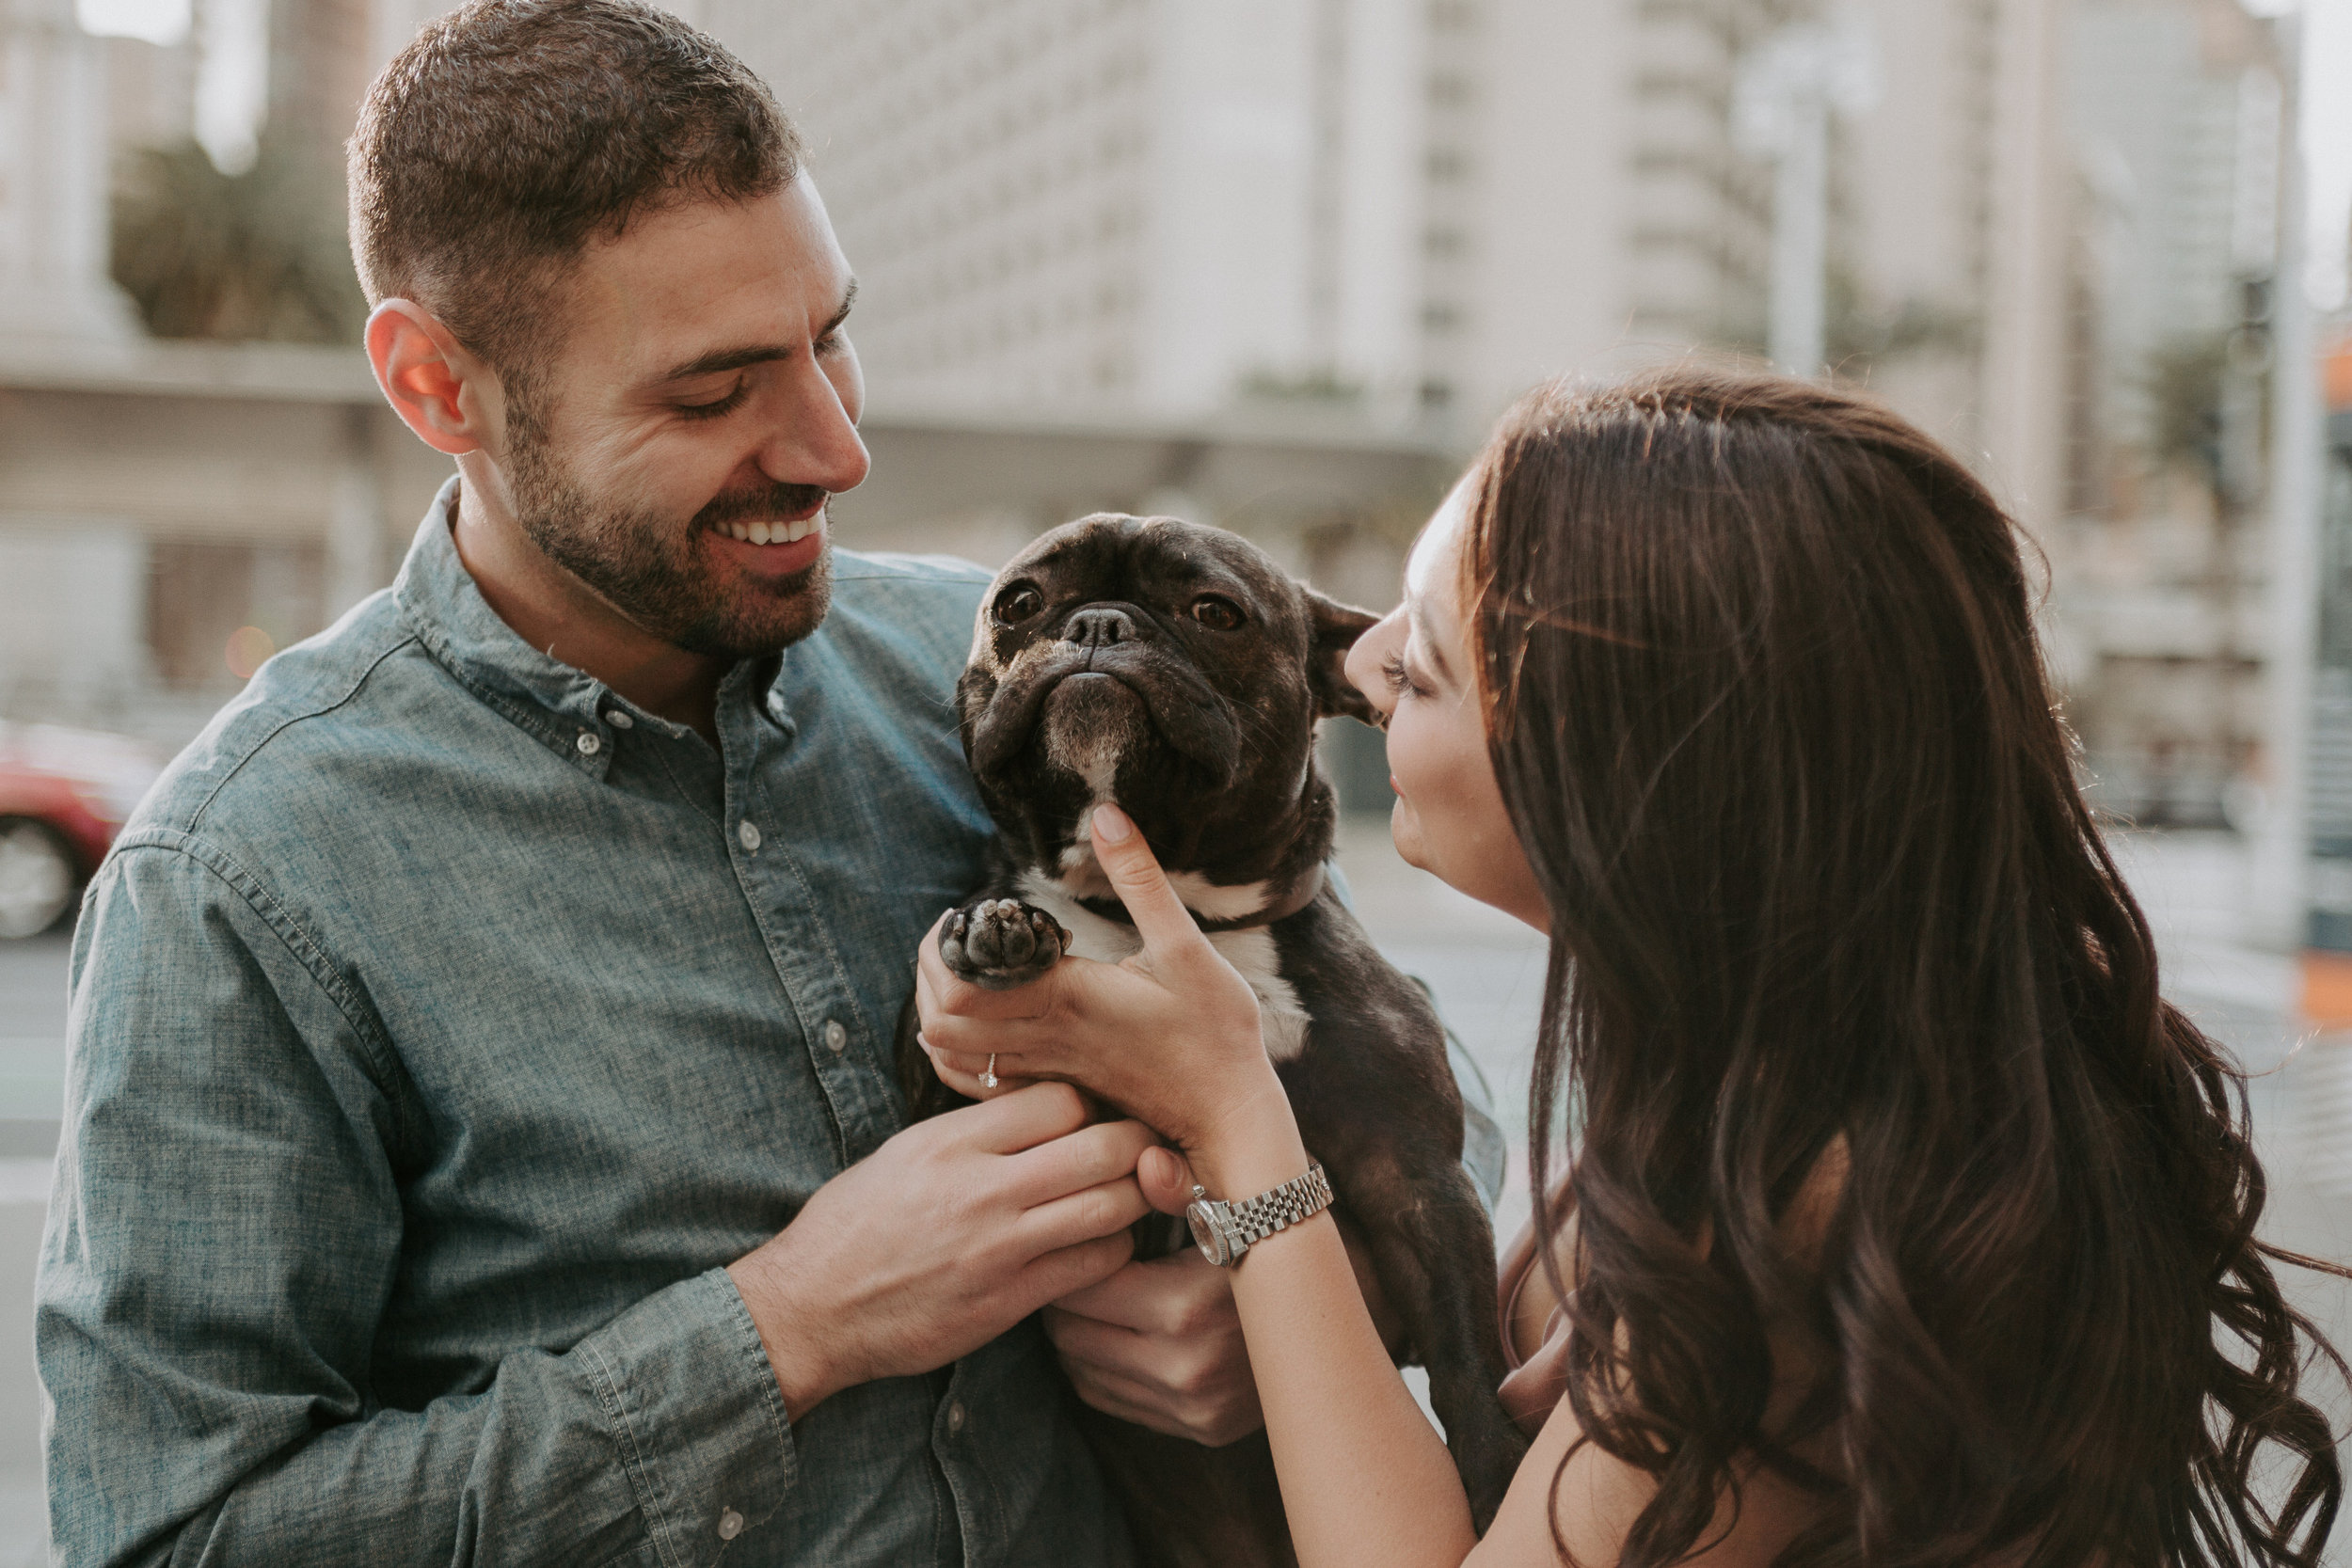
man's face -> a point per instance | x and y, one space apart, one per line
675 453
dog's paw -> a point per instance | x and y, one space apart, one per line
1001 943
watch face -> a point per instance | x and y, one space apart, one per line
1205 1235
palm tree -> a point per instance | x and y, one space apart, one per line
257 255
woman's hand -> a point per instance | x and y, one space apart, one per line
1170 1034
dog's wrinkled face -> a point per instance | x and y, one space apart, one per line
1169 667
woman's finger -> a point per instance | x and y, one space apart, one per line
969 1085
1161 918
970 1064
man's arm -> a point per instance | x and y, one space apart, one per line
221 1245
224 1236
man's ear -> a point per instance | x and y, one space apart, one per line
1335 627
439 389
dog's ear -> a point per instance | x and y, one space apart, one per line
1335 628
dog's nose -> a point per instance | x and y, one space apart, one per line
1099 628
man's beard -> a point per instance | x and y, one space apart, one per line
652 568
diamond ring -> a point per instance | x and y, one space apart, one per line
988 1079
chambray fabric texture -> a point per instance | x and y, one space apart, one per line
441 1025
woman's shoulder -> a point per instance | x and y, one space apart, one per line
1600 1495
1535 1326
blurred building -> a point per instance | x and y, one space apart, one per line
171 508
2161 562
1394 216
157 496
1275 264
1407 211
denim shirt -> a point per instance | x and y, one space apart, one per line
441 1025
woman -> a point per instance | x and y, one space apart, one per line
1905 1223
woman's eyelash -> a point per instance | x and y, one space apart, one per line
1399 679
727 404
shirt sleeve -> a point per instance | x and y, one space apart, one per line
1486 1151
222 1242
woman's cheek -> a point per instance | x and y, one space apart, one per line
1408 823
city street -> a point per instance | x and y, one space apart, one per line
1487 973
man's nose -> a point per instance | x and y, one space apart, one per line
1099 626
816 442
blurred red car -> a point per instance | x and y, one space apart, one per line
64 794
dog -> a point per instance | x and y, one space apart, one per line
1176 669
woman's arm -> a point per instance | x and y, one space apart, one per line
1174 1033
1365 1477
1171 1036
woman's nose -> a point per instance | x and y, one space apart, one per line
1364 660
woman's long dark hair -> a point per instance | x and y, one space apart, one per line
1767 709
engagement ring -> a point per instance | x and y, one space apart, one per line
988 1078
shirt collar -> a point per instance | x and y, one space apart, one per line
565 709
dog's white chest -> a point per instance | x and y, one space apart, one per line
1281 1020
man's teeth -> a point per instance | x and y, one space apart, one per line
776 533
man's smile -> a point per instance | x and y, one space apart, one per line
777 547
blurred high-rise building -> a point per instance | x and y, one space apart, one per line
1142 206
1363 225
2044 225
2161 560
1411 209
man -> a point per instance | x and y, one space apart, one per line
481 1143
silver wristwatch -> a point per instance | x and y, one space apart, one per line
1226 1230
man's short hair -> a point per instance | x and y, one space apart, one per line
512 134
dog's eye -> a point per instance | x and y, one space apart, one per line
1216 613
1017 604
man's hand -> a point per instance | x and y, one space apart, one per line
943 1239
1159 1343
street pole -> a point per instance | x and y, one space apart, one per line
1800 240
2276 902
1785 96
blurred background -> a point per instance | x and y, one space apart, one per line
1278 265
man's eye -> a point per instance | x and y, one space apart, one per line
1019 603
713 409
1215 612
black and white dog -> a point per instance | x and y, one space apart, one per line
1176 669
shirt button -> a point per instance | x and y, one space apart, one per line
590 743
620 720
747 834
955 1417
730 1524
836 1038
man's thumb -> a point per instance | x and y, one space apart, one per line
1166 1179
1161 918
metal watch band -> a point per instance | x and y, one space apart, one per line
1280 1207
